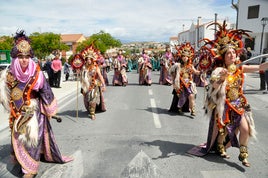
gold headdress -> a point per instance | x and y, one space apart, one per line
186 50
22 45
225 39
91 52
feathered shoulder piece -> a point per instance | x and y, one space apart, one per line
4 90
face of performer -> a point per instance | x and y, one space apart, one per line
185 59
89 61
230 56
24 61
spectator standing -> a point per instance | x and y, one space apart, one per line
265 78
56 67
263 82
249 54
66 70
49 71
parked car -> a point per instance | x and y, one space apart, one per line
4 66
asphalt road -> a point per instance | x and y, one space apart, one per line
138 137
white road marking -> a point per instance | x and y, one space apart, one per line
141 166
150 91
157 122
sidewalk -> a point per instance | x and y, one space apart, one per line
67 88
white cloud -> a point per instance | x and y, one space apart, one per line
141 20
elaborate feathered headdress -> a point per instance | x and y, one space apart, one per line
186 50
205 58
22 45
91 52
225 39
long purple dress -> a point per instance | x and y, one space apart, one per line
145 71
120 76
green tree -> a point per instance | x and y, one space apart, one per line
101 40
44 43
6 43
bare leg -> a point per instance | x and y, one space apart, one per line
192 104
243 139
220 147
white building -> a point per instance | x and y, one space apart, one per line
250 14
198 32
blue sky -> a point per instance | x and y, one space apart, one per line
127 20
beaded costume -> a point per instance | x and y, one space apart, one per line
225 103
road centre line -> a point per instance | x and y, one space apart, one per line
150 91
157 122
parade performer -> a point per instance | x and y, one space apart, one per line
92 82
166 62
120 68
231 122
25 93
204 65
103 68
184 89
145 70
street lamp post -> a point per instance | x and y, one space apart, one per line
198 23
215 30
264 22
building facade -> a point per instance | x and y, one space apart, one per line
72 41
197 32
250 14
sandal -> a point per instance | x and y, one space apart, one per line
93 117
243 156
221 151
225 155
193 111
180 111
29 175
244 161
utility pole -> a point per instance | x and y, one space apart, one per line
215 30
198 23
236 8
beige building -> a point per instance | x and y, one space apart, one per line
72 41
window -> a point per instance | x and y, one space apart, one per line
250 43
253 12
70 47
